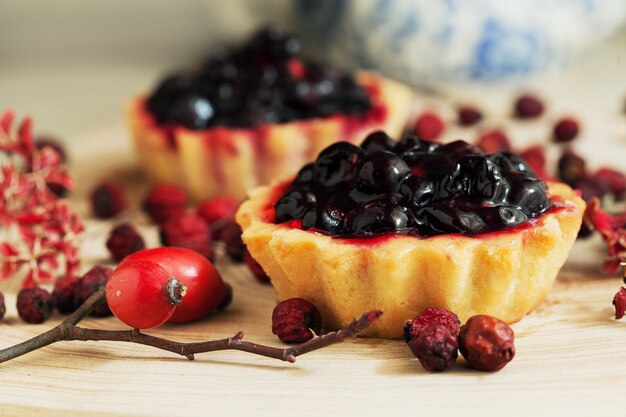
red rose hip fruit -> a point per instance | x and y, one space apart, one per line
429 126
64 294
143 294
165 202
34 305
206 291
435 346
486 343
436 315
296 320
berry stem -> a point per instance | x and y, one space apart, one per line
68 330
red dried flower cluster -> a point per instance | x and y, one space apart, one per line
612 228
38 231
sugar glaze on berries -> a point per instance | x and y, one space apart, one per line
412 187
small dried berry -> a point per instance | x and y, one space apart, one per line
535 156
528 107
429 126
486 343
435 315
91 282
50 142
34 305
571 168
436 347
256 268
107 200
165 202
494 141
469 115
217 212
296 320
615 180
228 298
3 308
64 294
591 187
619 301
231 235
565 130
188 231
123 241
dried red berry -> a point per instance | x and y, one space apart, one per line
188 231
565 130
256 268
296 320
435 346
435 315
3 307
50 142
429 126
619 301
91 282
469 115
571 168
123 241
228 298
486 343
615 180
64 294
217 212
165 202
107 200
494 141
231 235
34 305
535 156
528 107
591 187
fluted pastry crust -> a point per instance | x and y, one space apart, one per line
231 161
504 274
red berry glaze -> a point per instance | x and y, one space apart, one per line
143 294
165 202
436 315
429 126
107 200
565 130
469 115
188 231
205 289
528 107
123 241
296 320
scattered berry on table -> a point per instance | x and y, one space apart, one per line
164 202
619 301
493 141
64 294
296 320
528 107
107 200
34 305
3 307
188 231
565 130
486 343
535 156
91 282
231 235
256 268
615 180
436 315
217 212
571 168
435 346
469 115
429 126
124 240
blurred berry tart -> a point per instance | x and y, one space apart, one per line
403 226
255 114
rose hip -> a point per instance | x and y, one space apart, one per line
619 301
429 126
123 241
571 168
164 202
256 268
34 305
494 141
217 211
296 320
435 346
107 200
3 307
469 115
486 343
565 130
64 294
615 180
188 231
436 315
90 283
528 107
231 235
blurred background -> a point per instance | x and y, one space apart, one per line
72 64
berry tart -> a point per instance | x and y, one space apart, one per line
255 114
403 226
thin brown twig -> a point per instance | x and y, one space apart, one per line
68 330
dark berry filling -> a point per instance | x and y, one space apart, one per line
412 187
264 81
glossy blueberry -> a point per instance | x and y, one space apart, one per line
327 219
458 148
502 217
382 171
529 195
377 141
510 162
293 205
443 217
336 164
413 143
418 191
304 176
378 217
192 111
